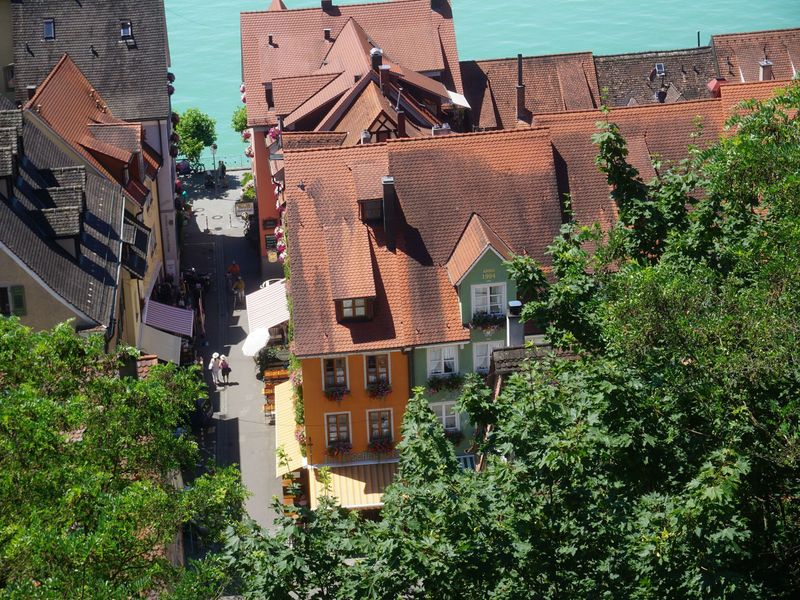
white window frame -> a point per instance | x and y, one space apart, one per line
391 422
388 364
349 426
443 406
491 346
346 371
441 349
488 287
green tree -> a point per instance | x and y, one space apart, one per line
90 467
239 119
656 452
197 131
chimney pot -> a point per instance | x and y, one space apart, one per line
515 330
389 210
366 137
271 40
522 112
376 55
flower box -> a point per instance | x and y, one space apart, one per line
488 323
336 394
339 448
454 436
438 383
379 389
381 445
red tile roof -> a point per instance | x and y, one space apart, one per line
559 82
506 177
477 237
309 140
291 92
410 32
75 111
739 54
732 94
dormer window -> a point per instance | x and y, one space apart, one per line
125 30
355 309
372 211
49 29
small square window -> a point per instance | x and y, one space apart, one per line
357 308
49 30
335 370
125 30
377 368
372 211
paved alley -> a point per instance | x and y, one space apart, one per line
213 239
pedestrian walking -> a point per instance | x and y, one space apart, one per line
225 367
214 367
238 291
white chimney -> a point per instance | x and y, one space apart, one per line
515 330
366 137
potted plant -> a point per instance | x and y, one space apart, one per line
336 394
487 322
379 389
381 445
339 448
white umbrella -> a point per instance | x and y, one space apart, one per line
257 339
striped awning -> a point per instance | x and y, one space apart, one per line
355 486
169 318
164 345
268 307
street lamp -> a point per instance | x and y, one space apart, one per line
214 156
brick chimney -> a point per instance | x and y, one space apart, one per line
327 5
765 70
522 112
401 124
389 211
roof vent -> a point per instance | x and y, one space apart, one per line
366 137
439 130
327 33
271 40
765 71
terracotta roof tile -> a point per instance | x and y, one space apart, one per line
739 54
291 92
411 32
631 78
552 83
308 140
69 104
732 94
506 177
347 242
658 130
477 237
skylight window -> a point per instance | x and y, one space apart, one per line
49 29
125 30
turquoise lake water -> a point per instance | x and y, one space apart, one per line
205 44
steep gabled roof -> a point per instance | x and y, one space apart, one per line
130 75
631 79
417 34
739 54
558 82
78 114
475 240
506 177
53 190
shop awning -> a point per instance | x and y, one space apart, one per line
356 486
268 307
169 318
285 429
164 345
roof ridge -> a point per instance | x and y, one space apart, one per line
331 74
755 33
61 62
514 58
612 109
640 53
310 8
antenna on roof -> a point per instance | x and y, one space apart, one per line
399 93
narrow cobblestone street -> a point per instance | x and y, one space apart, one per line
212 239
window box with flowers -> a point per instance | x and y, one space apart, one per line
381 445
487 322
336 393
379 389
439 383
339 448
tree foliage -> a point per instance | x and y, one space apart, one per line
239 119
655 455
197 131
90 467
